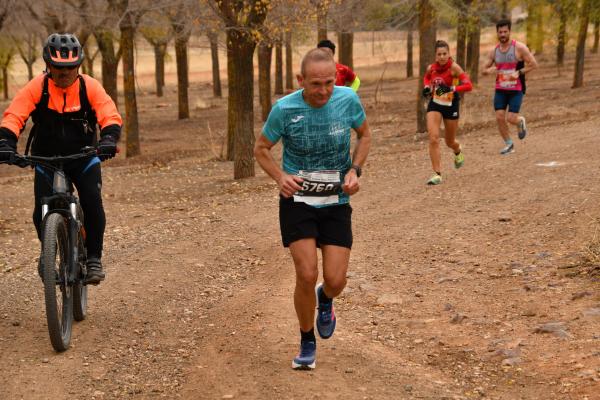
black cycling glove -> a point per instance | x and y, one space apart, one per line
426 91
107 147
8 144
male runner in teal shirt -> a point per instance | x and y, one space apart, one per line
316 181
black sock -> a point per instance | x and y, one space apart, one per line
439 173
308 336
323 297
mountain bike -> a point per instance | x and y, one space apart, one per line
63 257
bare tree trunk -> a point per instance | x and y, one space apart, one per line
321 22
83 37
29 54
539 30
5 82
278 68
89 66
109 63
181 56
265 53
29 71
160 49
373 43
346 45
409 52
584 19
214 55
289 67
461 38
231 111
596 35
505 10
530 23
240 47
473 46
426 54
562 34
131 115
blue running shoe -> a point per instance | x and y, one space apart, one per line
306 357
325 316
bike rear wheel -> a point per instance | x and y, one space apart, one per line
80 291
58 292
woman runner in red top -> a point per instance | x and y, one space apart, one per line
443 82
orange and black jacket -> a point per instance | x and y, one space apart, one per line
64 120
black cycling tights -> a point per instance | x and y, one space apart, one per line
86 175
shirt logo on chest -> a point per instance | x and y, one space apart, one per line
73 108
336 129
297 118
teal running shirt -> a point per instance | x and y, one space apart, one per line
316 139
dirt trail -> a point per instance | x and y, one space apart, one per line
447 285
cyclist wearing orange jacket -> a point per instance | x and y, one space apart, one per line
66 109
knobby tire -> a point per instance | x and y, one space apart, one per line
55 257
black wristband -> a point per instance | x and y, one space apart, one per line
358 169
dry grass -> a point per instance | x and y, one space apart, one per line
591 252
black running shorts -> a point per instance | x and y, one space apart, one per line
448 112
330 225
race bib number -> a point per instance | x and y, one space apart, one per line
505 79
319 188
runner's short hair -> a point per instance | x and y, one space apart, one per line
327 43
503 22
441 43
315 55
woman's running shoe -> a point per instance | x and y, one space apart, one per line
435 179
522 128
306 357
325 316
459 160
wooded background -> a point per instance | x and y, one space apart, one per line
111 30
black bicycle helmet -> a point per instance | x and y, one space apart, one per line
63 50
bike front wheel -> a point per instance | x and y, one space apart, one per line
58 290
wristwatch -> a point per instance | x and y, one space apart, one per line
358 169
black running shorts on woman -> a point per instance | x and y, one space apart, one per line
448 112
330 225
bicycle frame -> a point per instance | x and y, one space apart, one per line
63 202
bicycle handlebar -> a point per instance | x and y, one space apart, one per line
50 162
